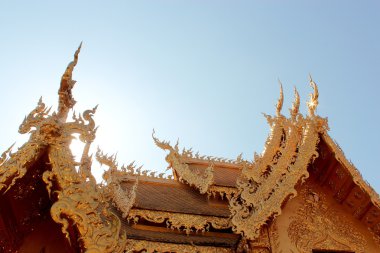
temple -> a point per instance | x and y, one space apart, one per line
300 195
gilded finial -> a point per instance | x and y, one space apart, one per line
165 145
313 102
296 104
66 100
280 100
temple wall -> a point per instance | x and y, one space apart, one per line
313 220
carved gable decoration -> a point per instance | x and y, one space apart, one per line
77 200
270 180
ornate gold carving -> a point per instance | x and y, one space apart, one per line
121 198
14 166
6 154
78 201
280 101
222 191
295 106
180 221
313 102
66 100
201 180
270 180
160 247
131 170
317 226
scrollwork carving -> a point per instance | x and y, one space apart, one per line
317 226
180 221
77 199
223 192
201 180
122 199
264 189
15 166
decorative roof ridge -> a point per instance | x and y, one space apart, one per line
189 154
121 199
180 221
354 172
268 182
194 160
131 170
201 180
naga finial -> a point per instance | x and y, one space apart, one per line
165 145
66 100
280 100
313 102
296 104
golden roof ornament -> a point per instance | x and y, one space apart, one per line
200 180
279 117
66 100
296 105
76 198
313 102
280 101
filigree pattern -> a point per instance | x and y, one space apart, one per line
188 154
201 180
159 247
317 226
265 185
180 221
15 166
121 199
275 142
78 201
313 102
223 192
132 170
66 100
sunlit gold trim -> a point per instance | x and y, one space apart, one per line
270 180
186 222
201 180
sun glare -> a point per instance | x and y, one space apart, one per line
76 147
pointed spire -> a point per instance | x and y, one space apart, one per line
66 100
280 100
313 102
165 145
296 104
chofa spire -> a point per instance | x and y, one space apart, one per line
66 100
296 104
313 102
280 101
271 179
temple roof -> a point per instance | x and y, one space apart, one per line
174 197
209 203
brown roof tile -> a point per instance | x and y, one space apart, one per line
174 197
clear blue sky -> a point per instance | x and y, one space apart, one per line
200 71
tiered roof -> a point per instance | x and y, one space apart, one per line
209 205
